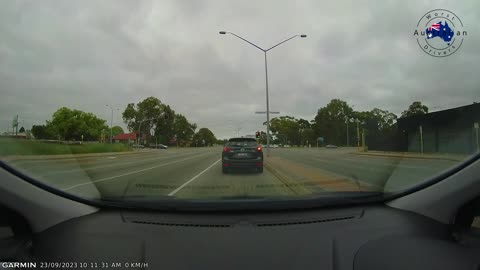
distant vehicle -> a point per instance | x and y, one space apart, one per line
286 146
274 146
137 146
242 153
331 146
162 146
158 146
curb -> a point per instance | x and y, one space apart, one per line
404 156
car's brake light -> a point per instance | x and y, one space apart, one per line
259 149
226 149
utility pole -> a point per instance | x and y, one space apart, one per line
348 139
358 136
475 125
363 139
111 121
266 74
421 140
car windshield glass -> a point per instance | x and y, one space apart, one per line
230 102
242 143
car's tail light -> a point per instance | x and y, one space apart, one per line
226 149
259 149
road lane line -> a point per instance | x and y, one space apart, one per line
191 180
116 164
129 173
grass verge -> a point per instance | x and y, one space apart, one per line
9 146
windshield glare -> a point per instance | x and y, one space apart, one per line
226 101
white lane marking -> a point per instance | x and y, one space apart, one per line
129 173
191 180
128 162
111 157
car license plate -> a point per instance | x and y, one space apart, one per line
242 154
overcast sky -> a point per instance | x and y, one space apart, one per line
85 54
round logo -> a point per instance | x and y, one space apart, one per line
440 33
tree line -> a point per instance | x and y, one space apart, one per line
333 122
160 121
161 124
150 117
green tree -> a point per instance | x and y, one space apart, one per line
416 108
385 119
204 137
163 126
330 122
152 117
286 129
41 132
289 130
145 115
183 129
68 124
117 130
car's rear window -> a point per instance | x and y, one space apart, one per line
242 142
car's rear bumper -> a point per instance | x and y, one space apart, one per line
238 163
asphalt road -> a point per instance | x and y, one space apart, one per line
195 173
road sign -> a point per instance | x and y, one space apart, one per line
475 125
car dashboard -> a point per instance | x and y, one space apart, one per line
364 238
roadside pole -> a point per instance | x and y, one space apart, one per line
421 140
348 139
476 126
358 137
363 139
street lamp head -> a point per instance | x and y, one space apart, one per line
222 32
303 36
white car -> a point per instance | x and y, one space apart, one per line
331 146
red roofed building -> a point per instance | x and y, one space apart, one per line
128 138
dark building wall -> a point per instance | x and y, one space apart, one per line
449 131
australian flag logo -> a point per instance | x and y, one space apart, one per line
440 30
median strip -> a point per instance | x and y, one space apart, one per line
297 175
284 179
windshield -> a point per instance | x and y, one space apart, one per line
242 142
227 101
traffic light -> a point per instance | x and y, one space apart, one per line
257 134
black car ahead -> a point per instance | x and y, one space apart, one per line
242 153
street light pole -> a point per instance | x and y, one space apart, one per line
268 105
358 135
348 139
111 122
266 75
